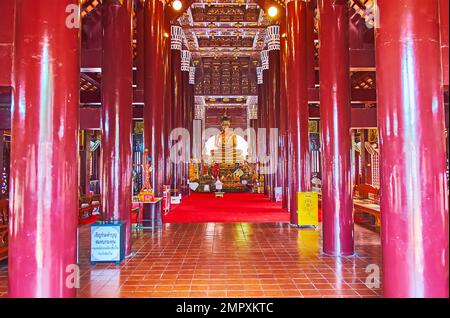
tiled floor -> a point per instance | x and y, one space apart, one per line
229 260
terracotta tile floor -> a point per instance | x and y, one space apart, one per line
228 260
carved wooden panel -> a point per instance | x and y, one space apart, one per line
226 76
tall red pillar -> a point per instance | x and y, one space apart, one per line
283 140
265 119
44 179
414 198
167 44
260 139
259 82
297 99
337 205
154 134
177 101
117 113
191 107
273 47
184 165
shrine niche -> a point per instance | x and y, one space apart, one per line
224 162
225 147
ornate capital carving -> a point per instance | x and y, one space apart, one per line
192 75
273 37
185 60
259 75
265 59
252 111
199 112
176 37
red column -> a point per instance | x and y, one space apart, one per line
414 199
185 68
44 179
167 101
443 25
117 98
261 120
265 117
154 135
297 99
283 144
273 38
191 107
177 99
337 202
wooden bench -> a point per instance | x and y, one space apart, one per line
366 199
3 229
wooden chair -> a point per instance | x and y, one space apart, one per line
4 208
96 203
366 200
84 206
88 203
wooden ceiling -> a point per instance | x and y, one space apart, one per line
224 28
226 38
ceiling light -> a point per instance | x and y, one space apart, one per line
177 5
273 11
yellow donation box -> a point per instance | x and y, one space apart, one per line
308 209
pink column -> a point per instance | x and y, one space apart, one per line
414 198
44 179
297 99
154 90
337 205
117 98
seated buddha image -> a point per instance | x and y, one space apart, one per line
225 148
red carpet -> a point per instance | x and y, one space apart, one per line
233 207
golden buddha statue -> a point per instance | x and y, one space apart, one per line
225 144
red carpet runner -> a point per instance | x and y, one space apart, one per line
233 207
